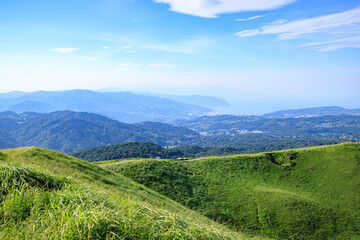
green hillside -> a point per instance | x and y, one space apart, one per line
49 195
310 193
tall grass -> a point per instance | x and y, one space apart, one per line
47 195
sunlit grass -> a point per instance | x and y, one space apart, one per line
48 195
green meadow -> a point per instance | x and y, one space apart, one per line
310 193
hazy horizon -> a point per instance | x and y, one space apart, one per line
260 56
244 104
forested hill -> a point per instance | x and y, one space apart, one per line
149 150
68 131
127 150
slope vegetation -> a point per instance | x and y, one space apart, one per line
310 193
49 195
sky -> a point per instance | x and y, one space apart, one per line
260 55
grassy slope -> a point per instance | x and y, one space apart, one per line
49 195
300 194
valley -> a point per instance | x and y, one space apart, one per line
69 131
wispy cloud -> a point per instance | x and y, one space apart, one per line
296 28
162 65
125 65
211 8
128 49
345 69
251 18
248 33
105 47
353 42
91 59
323 24
186 46
65 50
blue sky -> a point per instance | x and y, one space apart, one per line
261 55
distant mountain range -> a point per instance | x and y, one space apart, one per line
206 101
122 106
312 112
133 108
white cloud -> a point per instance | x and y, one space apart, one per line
130 51
212 8
127 46
295 29
251 18
105 47
65 50
162 65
